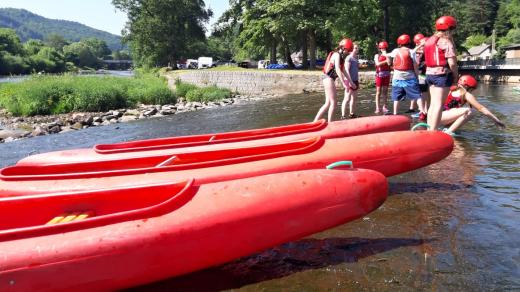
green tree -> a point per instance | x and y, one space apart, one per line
473 17
32 47
502 23
56 41
98 47
10 42
121 55
513 12
475 40
160 31
81 55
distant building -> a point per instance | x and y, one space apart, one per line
512 51
482 52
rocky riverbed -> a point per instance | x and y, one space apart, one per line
14 128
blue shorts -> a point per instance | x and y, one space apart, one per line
402 89
445 80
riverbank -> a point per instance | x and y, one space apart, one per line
15 128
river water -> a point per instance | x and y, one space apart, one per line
451 226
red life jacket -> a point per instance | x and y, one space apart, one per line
384 66
433 55
329 69
403 61
453 101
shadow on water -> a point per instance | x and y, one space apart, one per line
397 188
282 261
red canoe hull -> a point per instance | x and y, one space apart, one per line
389 153
215 223
248 138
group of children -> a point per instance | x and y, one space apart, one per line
425 74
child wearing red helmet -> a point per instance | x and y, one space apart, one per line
335 68
418 53
454 114
382 62
404 81
441 66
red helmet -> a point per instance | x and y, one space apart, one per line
346 44
417 38
383 45
468 81
404 39
446 23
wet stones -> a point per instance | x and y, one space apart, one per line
14 128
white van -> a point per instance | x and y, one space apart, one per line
205 62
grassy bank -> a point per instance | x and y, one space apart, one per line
43 95
201 94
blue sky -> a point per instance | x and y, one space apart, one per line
98 14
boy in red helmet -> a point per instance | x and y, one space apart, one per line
404 81
335 68
441 67
454 114
382 62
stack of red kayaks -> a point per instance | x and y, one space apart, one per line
117 238
248 138
126 214
389 153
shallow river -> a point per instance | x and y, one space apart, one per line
450 226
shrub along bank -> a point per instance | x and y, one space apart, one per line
44 95
194 93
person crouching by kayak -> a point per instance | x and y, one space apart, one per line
454 114
352 71
335 67
441 67
404 80
382 62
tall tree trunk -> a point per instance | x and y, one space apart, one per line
287 54
305 65
272 55
312 48
329 46
386 19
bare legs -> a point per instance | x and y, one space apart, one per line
437 95
381 91
456 117
350 97
378 94
424 100
330 99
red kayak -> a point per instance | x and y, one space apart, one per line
182 144
389 153
118 238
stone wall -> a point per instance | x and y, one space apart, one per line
256 82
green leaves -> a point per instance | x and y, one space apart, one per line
161 31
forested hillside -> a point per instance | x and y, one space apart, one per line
31 26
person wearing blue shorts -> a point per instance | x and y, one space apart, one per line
404 81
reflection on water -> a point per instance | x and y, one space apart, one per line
450 226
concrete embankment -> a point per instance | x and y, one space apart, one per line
260 82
